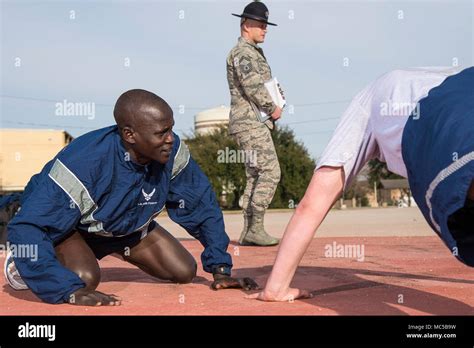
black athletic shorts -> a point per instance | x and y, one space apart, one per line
103 246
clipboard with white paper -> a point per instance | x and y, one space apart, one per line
277 98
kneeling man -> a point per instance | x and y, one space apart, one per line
99 196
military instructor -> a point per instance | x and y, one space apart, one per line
247 71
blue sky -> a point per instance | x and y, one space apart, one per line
178 49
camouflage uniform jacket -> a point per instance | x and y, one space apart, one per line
247 71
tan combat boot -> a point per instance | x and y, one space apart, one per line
247 217
256 234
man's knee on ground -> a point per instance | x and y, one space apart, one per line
90 277
185 274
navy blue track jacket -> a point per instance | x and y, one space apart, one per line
92 185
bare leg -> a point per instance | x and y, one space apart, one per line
162 256
74 254
324 188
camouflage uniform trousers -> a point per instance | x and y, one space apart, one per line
262 171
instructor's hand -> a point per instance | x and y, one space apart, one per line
276 114
226 282
83 297
288 296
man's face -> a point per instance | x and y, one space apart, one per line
256 30
152 138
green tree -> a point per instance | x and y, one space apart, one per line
228 177
296 166
378 170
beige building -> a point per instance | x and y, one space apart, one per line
24 152
211 119
396 192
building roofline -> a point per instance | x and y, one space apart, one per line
37 130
